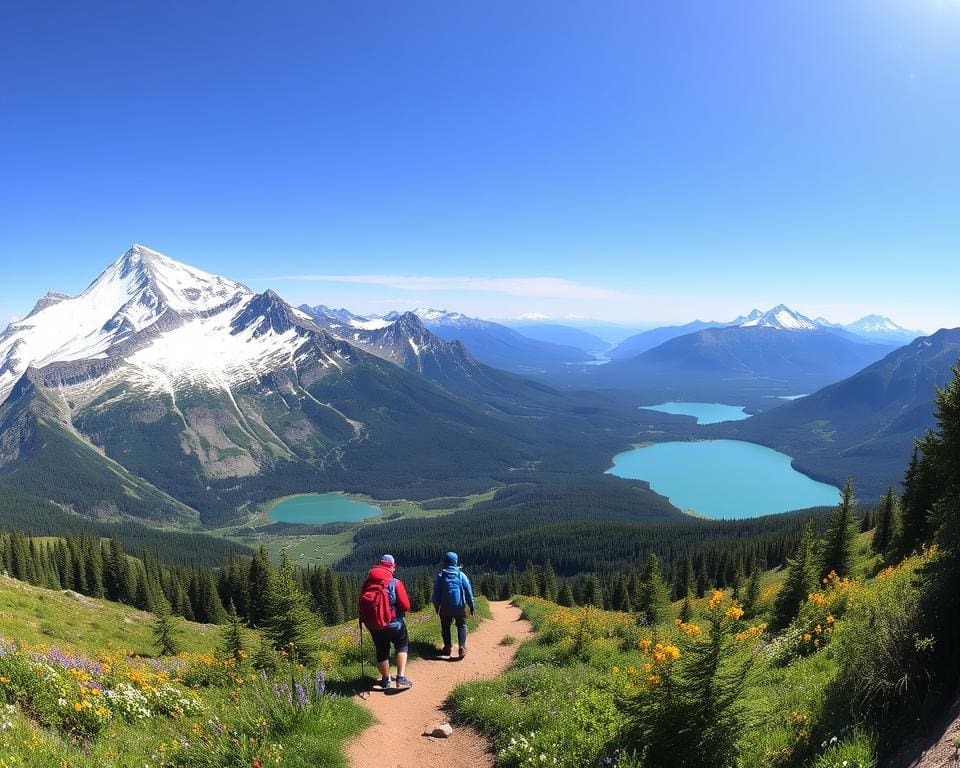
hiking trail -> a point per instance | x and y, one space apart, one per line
396 740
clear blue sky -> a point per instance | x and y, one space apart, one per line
658 160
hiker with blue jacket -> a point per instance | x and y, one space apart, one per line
452 598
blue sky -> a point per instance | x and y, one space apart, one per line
628 161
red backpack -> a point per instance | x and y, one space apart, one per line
375 609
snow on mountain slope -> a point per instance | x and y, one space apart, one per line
141 290
451 319
344 317
782 318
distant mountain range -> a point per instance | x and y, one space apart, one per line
490 343
873 328
865 425
169 393
778 352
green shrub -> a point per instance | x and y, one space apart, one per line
880 651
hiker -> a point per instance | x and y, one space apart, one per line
383 601
452 597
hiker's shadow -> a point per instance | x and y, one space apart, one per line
429 652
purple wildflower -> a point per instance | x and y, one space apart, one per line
301 695
321 683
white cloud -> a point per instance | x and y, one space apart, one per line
533 287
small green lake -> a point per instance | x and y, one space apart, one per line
724 478
320 508
704 413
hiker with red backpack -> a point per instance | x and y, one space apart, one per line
383 601
452 598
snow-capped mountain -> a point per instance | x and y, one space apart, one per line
877 327
780 317
140 295
441 317
166 392
400 338
751 316
344 317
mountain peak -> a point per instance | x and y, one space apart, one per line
782 318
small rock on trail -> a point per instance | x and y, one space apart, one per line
403 736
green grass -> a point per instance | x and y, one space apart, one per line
38 618
84 624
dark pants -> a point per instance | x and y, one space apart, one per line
383 638
446 619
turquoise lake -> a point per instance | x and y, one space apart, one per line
320 508
724 478
705 413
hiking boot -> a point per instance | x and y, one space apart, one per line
385 682
403 682
446 651
463 652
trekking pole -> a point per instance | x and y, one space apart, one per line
363 690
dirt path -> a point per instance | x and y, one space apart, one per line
397 740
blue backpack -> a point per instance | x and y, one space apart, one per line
451 590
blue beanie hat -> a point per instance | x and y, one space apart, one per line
387 560
451 558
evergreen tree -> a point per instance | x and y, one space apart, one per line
803 572
620 596
840 543
698 718
751 602
887 530
565 597
165 635
592 591
654 593
291 626
686 610
207 608
530 585
549 587
259 588
683 579
940 466
231 641
920 491
738 578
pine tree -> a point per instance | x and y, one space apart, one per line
549 584
839 546
940 467
686 610
698 718
683 580
530 584
165 635
920 491
592 591
620 596
654 593
291 626
738 578
888 523
565 597
751 601
260 583
231 640
803 572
